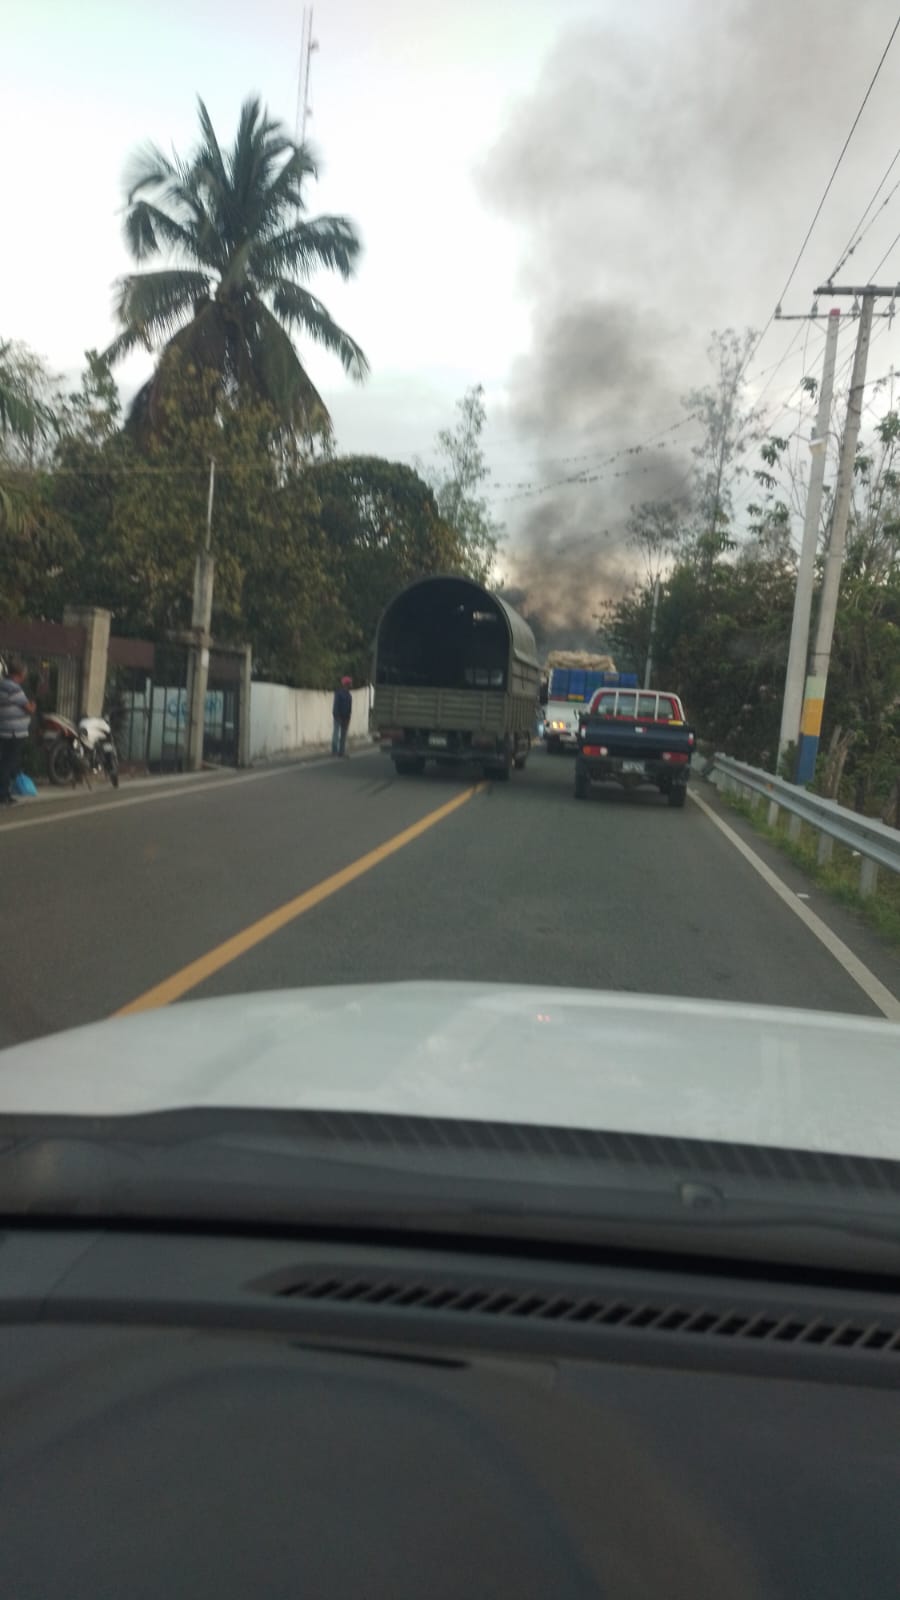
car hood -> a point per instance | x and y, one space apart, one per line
563 1057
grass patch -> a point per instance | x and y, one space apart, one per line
839 877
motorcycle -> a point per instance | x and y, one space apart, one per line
79 751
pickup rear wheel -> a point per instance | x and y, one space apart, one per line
677 796
582 786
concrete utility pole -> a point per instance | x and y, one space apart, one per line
799 646
816 683
648 669
201 623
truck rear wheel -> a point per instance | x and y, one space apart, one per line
677 796
582 785
408 766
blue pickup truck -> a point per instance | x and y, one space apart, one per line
634 737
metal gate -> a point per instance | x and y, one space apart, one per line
222 719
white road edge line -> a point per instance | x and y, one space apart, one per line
871 986
113 807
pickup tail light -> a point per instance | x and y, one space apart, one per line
595 750
676 757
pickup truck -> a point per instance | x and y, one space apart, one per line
634 737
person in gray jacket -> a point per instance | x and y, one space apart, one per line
16 712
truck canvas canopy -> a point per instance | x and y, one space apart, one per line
450 633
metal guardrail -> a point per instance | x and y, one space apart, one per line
876 844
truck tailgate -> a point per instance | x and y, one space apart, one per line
634 741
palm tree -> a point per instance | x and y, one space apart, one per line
235 224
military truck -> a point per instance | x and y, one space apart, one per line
457 679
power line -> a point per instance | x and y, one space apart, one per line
837 166
857 236
825 192
894 242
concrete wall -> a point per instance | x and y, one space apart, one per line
282 719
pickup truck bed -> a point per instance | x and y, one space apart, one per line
639 743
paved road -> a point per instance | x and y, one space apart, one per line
103 897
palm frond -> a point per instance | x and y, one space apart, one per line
306 247
211 156
15 515
147 227
23 414
155 304
284 381
123 344
300 309
284 193
17 414
150 168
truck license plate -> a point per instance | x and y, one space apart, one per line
632 766
438 741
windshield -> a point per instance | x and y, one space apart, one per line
373 415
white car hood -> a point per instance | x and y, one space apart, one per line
570 1058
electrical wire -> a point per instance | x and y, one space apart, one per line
825 192
857 236
837 166
892 246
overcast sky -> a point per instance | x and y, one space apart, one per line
560 200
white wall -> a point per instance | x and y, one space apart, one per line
282 719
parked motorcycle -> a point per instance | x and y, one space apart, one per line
79 751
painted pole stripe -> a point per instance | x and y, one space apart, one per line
811 718
172 988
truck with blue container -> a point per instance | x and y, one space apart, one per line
572 678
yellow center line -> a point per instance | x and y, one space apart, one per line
172 988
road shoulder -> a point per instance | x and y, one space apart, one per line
845 923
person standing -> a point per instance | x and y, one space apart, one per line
341 712
16 712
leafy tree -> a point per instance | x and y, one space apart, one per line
457 484
234 223
140 514
381 529
729 428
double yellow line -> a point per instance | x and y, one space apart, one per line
172 988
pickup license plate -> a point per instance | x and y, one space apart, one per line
633 766
437 741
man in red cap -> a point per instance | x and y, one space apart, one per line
341 711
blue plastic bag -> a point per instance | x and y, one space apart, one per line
23 785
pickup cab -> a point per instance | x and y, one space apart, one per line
634 737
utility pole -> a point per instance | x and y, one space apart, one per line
648 669
816 683
201 638
799 645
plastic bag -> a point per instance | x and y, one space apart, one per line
24 785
